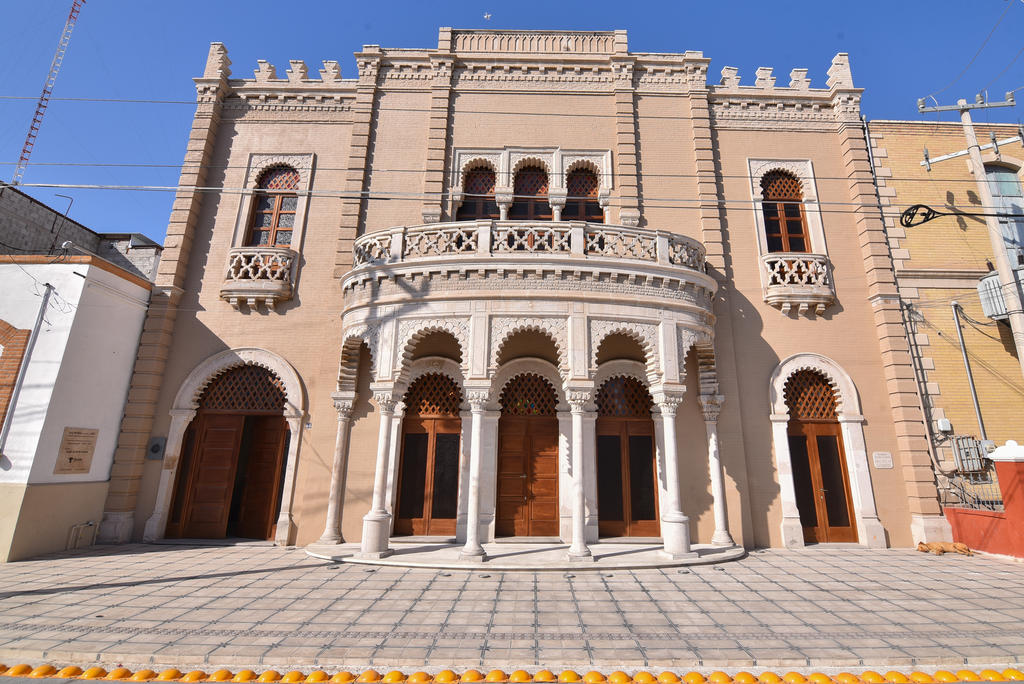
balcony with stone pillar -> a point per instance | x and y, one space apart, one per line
797 280
258 276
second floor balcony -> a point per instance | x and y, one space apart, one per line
579 258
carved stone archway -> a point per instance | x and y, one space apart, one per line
183 410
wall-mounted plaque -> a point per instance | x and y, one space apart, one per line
882 459
76 450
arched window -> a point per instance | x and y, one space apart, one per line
1006 191
581 204
784 221
531 195
273 216
478 201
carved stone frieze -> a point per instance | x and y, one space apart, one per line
411 329
646 334
503 327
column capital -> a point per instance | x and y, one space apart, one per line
668 402
343 404
580 400
711 406
386 400
478 399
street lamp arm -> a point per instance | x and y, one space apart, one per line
921 213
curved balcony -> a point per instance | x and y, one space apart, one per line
797 280
990 291
258 275
548 258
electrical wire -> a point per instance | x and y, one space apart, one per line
983 44
1005 69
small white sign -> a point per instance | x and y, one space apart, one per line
882 460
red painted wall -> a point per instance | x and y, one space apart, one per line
992 531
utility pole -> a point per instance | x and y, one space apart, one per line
1008 281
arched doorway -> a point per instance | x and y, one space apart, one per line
229 481
820 478
627 491
527 501
428 475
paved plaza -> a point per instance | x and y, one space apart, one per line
260 606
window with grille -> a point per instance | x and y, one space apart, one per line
530 202
478 196
276 201
245 388
624 398
809 397
528 395
581 205
1009 199
433 394
784 220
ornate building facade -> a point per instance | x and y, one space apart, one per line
525 284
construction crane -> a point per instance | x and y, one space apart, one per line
44 99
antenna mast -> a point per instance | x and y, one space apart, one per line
44 99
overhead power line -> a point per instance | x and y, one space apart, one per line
983 44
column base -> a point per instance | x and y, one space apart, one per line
930 528
792 533
376 530
579 557
374 555
675 533
472 556
687 555
116 527
722 538
329 540
872 534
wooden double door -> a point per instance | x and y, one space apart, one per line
527 501
821 481
627 486
428 479
230 477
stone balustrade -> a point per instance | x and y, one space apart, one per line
797 280
258 275
523 238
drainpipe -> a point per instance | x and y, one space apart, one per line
25 359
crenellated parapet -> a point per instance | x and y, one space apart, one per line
767 103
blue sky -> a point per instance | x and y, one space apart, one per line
140 49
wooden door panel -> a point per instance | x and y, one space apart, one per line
527 502
627 479
263 469
428 476
821 482
213 477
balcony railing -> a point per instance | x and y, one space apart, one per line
506 238
258 275
797 280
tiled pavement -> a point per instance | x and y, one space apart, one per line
261 606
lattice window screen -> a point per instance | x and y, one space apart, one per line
433 394
480 182
624 398
809 396
779 185
528 395
246 388
531 181
581 183
279 178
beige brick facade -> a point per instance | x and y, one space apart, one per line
680 158
942 261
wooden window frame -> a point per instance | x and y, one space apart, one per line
583 207
536 207
477 207
778 207
276 212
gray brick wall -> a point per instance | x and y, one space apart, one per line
27 226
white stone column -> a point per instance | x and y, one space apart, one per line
377 523
792 529
473 550
578 550
332 528
711 406
157 523
675 527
